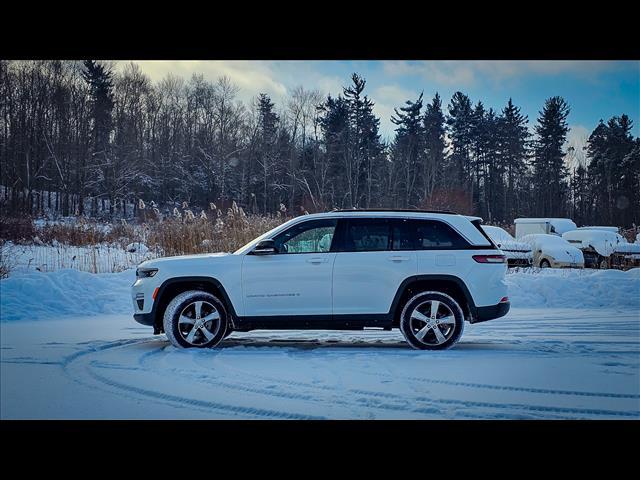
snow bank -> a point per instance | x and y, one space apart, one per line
575 288
40 295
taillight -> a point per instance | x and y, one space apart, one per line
490 258
504 300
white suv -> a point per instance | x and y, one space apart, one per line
423 272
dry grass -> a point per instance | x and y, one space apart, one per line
223 233
7 261
182 233
17 229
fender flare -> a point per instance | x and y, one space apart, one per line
406 283
214 282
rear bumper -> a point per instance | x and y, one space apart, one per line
491 312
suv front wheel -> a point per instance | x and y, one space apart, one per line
432 321
195 319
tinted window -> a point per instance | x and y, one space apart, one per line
314 236
367 235
426 235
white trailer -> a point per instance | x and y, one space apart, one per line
553 226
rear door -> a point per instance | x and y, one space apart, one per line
367 271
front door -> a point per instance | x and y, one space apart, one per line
297 279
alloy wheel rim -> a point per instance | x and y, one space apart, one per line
199 322
432 322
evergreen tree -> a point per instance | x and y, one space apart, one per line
365 145
408 150
514 142
99 79
549 170
460 122
434 147
611 172
581 196
630 185
267 151
334 124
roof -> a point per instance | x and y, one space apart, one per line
539 220
412 210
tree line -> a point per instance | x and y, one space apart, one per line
79 138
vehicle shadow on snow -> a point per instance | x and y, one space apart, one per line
313 344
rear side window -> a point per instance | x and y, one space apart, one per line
426 235
367 235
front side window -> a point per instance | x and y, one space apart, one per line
314 236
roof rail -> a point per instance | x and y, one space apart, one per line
413 210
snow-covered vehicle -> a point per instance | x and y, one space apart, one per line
600 227
518 254
604 248
552 226
423 272
552 251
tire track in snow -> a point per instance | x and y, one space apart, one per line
370 399
154 395
209 405
546 391
439 401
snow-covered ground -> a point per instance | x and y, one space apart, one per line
569 348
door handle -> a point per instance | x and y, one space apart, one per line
398 258
317 260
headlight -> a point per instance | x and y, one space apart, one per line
146 272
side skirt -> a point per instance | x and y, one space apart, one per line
313 322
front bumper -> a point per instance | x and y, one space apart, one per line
145 318
566 265
491 312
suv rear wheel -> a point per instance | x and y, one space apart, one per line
432 321
195 319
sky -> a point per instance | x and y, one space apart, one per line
594 89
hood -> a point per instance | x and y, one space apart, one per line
564 254
513 246
628 248
180 259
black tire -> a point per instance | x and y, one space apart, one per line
545 263
456 324
603 263
178 331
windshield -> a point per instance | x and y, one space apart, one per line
552 240
497 233
261 237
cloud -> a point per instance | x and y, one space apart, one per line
252 77
576 141
386 98
464 73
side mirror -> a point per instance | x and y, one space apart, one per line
265 247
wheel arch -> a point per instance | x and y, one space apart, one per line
174 286
448 284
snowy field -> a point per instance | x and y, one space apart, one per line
569 349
